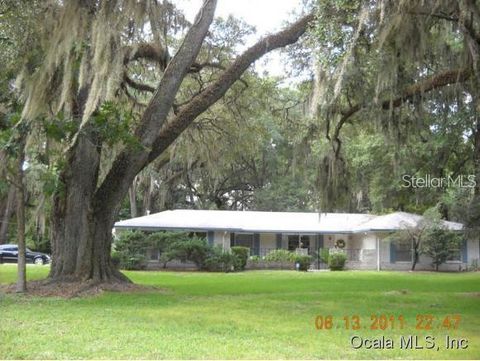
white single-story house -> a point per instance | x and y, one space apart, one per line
363 237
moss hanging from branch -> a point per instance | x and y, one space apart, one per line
370 64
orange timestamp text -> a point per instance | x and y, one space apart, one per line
387 322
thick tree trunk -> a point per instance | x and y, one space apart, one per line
81 229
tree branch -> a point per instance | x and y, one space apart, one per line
148 51
172 129
130 161
435 81
136 85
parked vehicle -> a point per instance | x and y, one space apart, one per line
9 254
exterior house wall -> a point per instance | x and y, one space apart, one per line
363 257
365 251
268 240
473 251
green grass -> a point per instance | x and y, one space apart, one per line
262 314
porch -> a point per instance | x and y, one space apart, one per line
360 249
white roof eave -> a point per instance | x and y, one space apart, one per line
275 222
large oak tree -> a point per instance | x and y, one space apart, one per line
88 50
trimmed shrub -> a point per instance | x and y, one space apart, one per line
137 262
280 255
162 240
219 261
324 255
130 249
336 261
242 254
195 250
303 262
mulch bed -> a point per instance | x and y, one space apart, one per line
67 290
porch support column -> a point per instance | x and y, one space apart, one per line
210 237
224 236
279 240
256 244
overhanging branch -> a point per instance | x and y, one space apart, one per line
130 161
431 83
172 129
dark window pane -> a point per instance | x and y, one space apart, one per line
454 255
244 240
404 251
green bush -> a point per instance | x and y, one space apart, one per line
280 255
242 254
324 255
162 240
130 249
115 259
195 250
336 261
303 262
137 262
255 259
220 261
205 256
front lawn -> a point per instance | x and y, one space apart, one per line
257 314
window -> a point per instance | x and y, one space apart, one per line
153 254
293 242
403 251
305 241
244 240
297 241
454 255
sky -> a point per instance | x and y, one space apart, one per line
266 15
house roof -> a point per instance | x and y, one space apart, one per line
402 220
275 222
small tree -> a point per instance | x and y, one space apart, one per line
439 244
415 235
